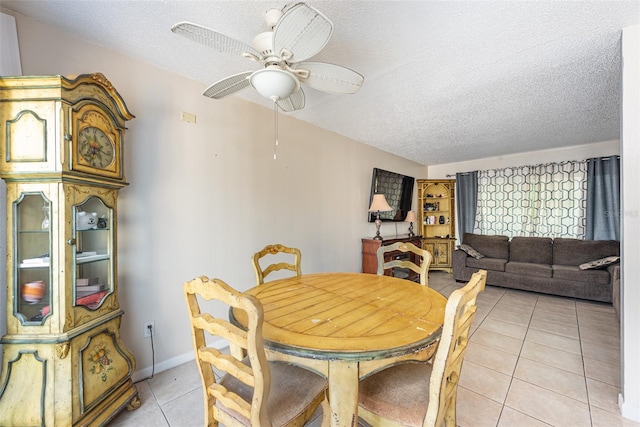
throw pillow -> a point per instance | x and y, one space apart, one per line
470 251
600 263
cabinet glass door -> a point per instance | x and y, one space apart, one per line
32 252
93 252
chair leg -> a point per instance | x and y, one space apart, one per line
209 420
237 352
326 410
450 413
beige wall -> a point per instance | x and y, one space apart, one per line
202 198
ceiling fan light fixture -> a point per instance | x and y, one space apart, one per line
298 32
274 83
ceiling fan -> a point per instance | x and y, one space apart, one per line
298 32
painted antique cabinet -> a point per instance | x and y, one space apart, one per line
63 363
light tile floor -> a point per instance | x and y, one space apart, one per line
533 360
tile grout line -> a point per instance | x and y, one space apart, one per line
584 375
158 403
516 366
584 369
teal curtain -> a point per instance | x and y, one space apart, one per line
466 201
603 199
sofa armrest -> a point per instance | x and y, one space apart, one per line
459 262
614 271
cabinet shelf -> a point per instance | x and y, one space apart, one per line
29 265
82 260
92 258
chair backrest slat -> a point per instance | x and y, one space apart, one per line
272 250
220 327
421 269
227 363
231 400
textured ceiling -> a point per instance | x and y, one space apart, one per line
445 81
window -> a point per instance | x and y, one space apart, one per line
543 200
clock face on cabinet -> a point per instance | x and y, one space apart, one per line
96 143
95 147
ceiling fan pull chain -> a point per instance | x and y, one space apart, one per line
275 130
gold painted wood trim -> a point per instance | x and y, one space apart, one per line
56 86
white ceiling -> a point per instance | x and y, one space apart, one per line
445 81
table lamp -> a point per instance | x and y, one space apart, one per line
379 204
411 218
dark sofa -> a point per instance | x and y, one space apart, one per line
542 264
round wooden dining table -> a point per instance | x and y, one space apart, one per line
346 326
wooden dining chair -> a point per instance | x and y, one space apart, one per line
274 250
252 391
424 394
421 269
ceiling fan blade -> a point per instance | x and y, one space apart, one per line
303 31
295 101
213 39
228 86
330 77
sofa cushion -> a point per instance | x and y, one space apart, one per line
599 263
489 246
527 268
470 251
573 273
576 251
486 263
534 250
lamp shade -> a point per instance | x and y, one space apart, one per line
379 203
411 217
274 83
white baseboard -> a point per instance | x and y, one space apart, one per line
628 411
165 365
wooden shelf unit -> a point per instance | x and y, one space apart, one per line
436 220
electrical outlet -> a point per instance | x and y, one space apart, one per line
149 328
